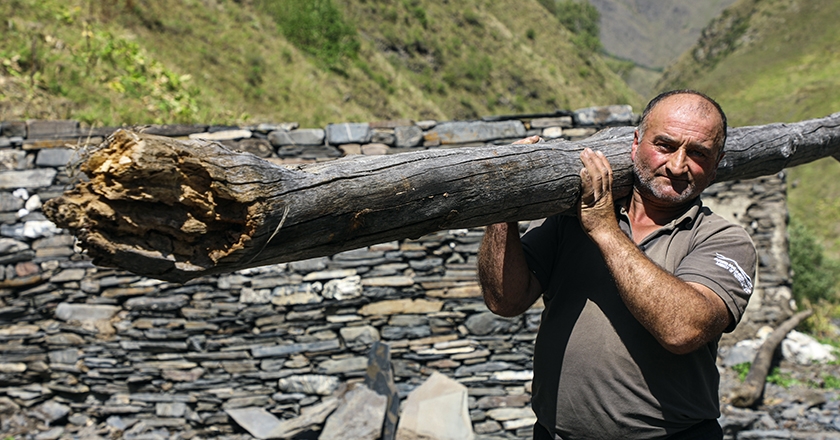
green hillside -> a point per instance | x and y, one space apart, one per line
140 61
777 61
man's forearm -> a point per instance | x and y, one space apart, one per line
507 284
680 315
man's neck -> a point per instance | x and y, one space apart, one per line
647 215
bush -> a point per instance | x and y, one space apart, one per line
316 27
815 276
581 18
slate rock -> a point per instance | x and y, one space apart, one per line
463 132
303 136
56 157
309 384
85 312
486 323
348 133
408 136
41 128
605 115
438 410
359 335
50 411
359 416
30 179
379 377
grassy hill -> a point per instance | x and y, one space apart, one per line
777 61
140 61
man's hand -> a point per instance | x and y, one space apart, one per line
595 210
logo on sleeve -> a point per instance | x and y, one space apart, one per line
736 271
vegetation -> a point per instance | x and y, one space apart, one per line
316 27
313 62
815 275
581 18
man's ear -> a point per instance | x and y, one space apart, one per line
636 141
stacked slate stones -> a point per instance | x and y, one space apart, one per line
282 350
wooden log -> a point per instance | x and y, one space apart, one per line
177 210
748 393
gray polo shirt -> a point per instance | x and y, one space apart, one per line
598 373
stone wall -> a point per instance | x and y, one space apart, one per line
94 351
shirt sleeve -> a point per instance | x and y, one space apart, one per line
540 246
724 261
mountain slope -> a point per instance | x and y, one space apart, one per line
776 61
141 61
654 33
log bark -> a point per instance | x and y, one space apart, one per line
177 210
748 393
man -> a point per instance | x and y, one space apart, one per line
637 292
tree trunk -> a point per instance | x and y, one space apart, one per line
176 210
748 393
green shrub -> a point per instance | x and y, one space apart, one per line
316 27
815 275
581 18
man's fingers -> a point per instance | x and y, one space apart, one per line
529 140
596 176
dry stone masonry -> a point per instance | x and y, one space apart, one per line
389 341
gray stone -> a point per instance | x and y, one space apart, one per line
173 302
39 128
559 121
605 115
67 356
38 178
408 136
463 132
14 160
30 230
10 203
262 424
342 289
257 147
257 421
11 246
359 336
487 323
380 378
436 410
248 401
359 416
13 129
222 135
50 411
56 157
85 312
346 365
485 367
282 126
290 349
170 409
303 136
309 384
348 133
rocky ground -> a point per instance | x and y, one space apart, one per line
799 402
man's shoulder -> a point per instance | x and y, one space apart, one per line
708 222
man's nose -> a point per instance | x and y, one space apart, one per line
677 163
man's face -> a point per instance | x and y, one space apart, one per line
675 159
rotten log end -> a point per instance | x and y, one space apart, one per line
150 206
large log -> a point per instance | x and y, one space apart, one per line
176 210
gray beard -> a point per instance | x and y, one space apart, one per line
644 184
